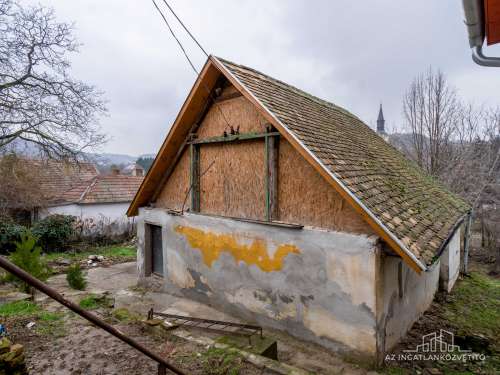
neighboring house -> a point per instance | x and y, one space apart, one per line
133 170
99 202
287 210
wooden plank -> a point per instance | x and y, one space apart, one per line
273 162
266 181
233 138
195 178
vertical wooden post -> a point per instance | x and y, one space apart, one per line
195 177
272 154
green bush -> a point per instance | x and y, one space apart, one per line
76 278
54 232
10 233
28 257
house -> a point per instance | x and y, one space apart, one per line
133 169
287 210
99 202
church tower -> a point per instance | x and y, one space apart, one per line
381 122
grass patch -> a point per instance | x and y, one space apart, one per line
475 306
18 309
93 302
51 324
123 315
47 323
113 252
257 346
220 361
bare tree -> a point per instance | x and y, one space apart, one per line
459 144
20 186
430 107
40 103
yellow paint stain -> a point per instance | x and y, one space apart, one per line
212 245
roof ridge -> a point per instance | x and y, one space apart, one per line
88 188
301 92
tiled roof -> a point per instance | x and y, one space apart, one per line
57 177
104 189
414 207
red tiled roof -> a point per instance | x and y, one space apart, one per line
57 177
104 189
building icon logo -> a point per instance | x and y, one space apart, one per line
437 346
438 342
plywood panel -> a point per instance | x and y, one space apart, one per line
174 192
238 112
306 198
234 185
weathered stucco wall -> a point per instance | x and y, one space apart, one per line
317 285
450 263
404 296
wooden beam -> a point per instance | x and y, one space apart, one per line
223 98
274 143
271 159
195 178
234 138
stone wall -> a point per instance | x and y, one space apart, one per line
317 285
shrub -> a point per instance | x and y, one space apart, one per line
10 233
54 231
28 257
76 278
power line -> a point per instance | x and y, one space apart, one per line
185 28
175 37
187 56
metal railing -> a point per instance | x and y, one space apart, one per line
163 365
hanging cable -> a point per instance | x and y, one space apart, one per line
188 59
175 37
185 28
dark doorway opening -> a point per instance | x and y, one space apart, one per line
154 255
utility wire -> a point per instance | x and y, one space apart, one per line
187 56
175 37
185 28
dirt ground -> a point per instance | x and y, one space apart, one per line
84 349
71 345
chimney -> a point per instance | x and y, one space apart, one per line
138 171
115 171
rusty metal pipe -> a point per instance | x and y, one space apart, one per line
44 288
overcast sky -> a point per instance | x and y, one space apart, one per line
353 53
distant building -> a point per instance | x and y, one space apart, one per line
134 169
98 202
381 122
